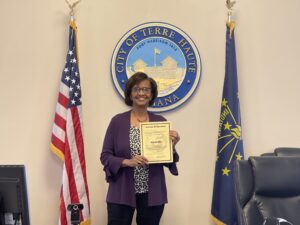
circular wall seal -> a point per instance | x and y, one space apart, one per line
166 54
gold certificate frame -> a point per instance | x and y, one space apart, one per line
156 143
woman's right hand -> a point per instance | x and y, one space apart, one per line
137 160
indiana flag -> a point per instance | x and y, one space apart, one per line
67 137
230 144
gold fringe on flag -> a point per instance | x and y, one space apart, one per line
216 221
231 26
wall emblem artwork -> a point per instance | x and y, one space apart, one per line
165 53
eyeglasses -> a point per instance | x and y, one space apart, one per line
143 90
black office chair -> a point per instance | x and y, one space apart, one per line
287 151
268 187
268 154
283 151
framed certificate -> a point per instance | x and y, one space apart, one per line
156 143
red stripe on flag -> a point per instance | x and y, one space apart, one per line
59 121
80 146
59 144
63 215
69 169
63 100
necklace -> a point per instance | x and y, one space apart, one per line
140 120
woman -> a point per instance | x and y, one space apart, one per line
133 183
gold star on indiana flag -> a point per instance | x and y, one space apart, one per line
226 171
224 102
238 156
227 126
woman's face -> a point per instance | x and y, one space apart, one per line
141 94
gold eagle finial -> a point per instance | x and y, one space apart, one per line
230 4
72 7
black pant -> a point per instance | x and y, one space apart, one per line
145 215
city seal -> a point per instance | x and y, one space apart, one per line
166 54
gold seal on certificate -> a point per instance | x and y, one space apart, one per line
156 143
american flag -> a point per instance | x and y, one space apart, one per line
67 138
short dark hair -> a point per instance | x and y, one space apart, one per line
135 79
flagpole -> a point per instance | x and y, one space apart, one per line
74 193
230 143
229 15
154 58
230 21
229 5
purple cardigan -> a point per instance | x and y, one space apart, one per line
116 148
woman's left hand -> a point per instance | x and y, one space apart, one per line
174 137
